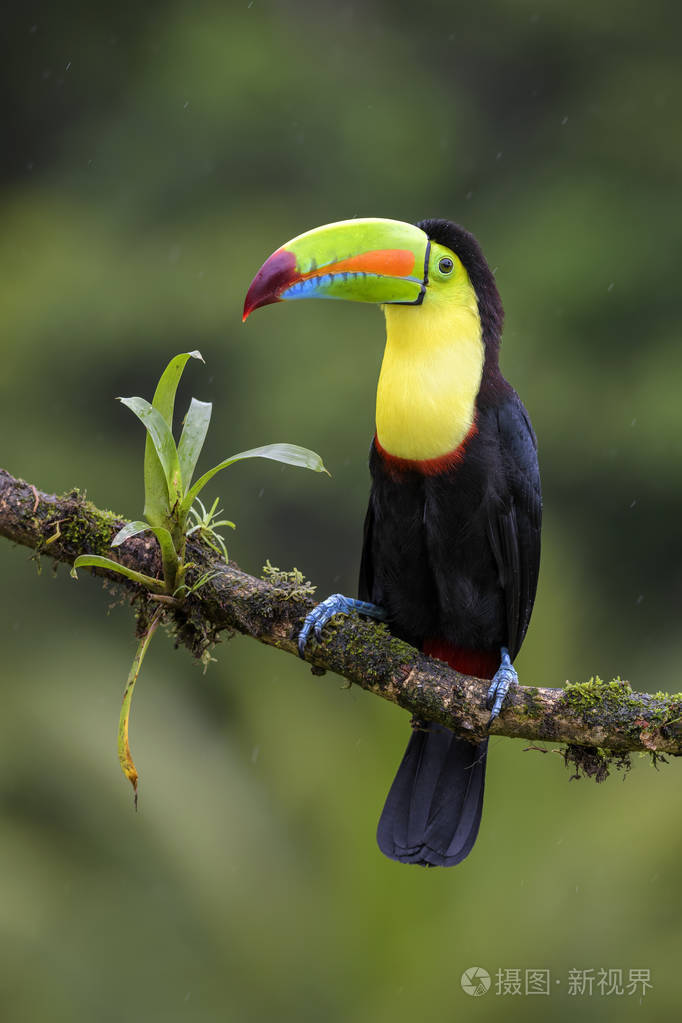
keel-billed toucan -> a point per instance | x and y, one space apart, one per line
452 533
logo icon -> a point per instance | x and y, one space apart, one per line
475 981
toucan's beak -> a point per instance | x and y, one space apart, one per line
382 261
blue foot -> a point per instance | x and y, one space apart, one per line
337 604
504 677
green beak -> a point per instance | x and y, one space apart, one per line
372 260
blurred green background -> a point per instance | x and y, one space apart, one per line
152 157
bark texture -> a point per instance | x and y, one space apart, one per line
590 717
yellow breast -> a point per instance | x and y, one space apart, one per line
430 375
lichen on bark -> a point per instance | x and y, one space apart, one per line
606 717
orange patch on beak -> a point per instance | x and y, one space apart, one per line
386 262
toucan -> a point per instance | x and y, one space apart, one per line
451 547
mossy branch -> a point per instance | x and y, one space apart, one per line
596 715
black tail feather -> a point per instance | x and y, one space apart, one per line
433 809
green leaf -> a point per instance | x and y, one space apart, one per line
291 454
169 555
156 501
130 529
164 395
164 445
95 561
192 438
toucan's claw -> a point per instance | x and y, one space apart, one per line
337 604
504 678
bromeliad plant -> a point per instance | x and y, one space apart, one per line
168 472
169 512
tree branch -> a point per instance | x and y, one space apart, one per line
606 715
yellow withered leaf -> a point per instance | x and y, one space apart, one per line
124 755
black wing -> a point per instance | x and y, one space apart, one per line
366 581
515 521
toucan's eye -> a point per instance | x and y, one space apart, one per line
446 265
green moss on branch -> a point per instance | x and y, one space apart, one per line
606 717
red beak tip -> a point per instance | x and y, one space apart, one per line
277 273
